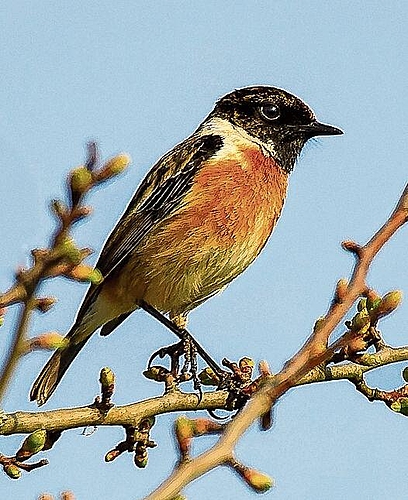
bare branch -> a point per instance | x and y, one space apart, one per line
315 351
71 418
62 258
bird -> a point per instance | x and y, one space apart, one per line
200 217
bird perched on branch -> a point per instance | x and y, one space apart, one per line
199 218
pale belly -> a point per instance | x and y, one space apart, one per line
180 279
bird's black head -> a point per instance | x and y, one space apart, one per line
280 120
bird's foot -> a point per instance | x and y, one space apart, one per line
174 351
188 371
190 348
237 381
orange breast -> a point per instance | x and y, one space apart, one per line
236 199
224 222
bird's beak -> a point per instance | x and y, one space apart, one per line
317 128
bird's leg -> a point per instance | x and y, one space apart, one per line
187 341
197 384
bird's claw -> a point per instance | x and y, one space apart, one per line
189 370
174 351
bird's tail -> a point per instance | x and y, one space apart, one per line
57 365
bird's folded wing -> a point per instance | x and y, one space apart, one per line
159 196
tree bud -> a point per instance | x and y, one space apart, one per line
86 273
201 426
111 455
12 471
156 373
389 303
246 364
59 208
400 406
44 304
113 167
362 304
360 322
373 300
106 377
256 480
141 461
48 340
184 432
32 444
71 252
341 290
80 179
208 377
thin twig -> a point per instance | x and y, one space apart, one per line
62 258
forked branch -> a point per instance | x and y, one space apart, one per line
316 351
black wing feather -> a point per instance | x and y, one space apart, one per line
153 201
160 203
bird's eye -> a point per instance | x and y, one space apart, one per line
270 111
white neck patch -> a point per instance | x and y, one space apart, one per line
235 138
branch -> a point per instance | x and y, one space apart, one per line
45 428
62 258
88 416
355 371
315 351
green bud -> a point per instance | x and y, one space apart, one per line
48 340
71 252
85 273
360 322
32 444
373 300
389 303
106 377
362 304
184 431
141 462
113 167
80 179
95 277
208 377
12 471
400 406
36 441
118 164
405 374
155 373
256 480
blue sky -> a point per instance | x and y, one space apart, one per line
139 77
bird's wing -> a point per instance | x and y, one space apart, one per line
159 195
